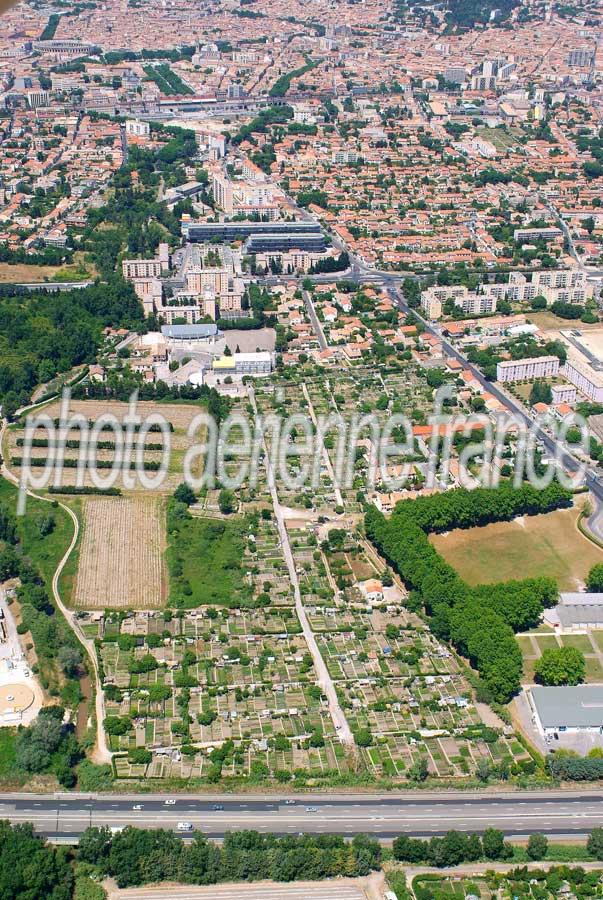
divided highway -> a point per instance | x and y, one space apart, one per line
63 817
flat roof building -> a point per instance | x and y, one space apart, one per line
200 232
568 709
190 332
533 367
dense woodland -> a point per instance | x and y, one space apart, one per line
479 621
44 334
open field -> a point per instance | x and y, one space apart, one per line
27 273
121 555
501 139
539 545
548 321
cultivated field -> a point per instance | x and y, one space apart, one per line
177 415
529 547
121 560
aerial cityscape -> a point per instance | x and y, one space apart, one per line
301 449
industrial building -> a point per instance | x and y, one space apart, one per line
567 710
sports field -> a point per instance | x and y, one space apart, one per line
528 547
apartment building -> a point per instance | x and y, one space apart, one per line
472 304
529 235
198 280
581 57
251 196
563 393
147 268
141 268
137 128
527 369
563 285
585 377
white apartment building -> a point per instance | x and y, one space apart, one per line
141 268
587 379
138 128
528 235
526 369
472 304
563 393
147 268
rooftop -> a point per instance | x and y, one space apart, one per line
572 707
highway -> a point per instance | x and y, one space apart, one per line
63 817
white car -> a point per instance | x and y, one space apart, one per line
184 826
170 802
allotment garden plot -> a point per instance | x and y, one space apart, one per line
121 556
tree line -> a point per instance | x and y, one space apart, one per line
479 621
135 856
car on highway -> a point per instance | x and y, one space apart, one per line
170 802
184 826
137 806
217 806
289 802
311 809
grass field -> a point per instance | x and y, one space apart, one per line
204 559
499 138
26 273
548 321
46 551
121 560
537 545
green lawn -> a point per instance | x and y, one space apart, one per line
548 544
579 641
8 756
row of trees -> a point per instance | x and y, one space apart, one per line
480 621
136 856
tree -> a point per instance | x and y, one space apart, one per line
594 581
185 494
408 849
29 868
226 501
419 770
363 737
594 845
537 846
70 660
560 665
493 842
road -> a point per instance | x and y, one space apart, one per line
327 890
64 817
314 320
553 447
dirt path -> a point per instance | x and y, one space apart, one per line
370 888
323 678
